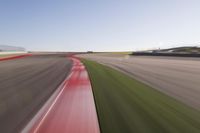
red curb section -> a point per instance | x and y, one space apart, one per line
14 57
73 109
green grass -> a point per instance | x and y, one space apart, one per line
125 105
7 55
4 55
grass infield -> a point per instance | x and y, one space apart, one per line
7 55
125 105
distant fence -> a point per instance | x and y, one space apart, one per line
166 54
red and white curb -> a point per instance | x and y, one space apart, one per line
71 109
14 57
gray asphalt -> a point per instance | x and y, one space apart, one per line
25 85
175 76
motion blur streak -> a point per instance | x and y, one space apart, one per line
175 76
26 84
73 110
14 57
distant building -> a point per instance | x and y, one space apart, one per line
89 51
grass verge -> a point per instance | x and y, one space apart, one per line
125 105
7 55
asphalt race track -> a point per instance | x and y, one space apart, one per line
72 110
25 84
176 76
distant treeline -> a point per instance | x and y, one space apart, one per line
167 54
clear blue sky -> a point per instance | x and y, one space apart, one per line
99 25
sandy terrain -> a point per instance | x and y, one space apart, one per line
176 76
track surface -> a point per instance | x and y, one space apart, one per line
11 57
25 84
175 76
126 105
73 109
